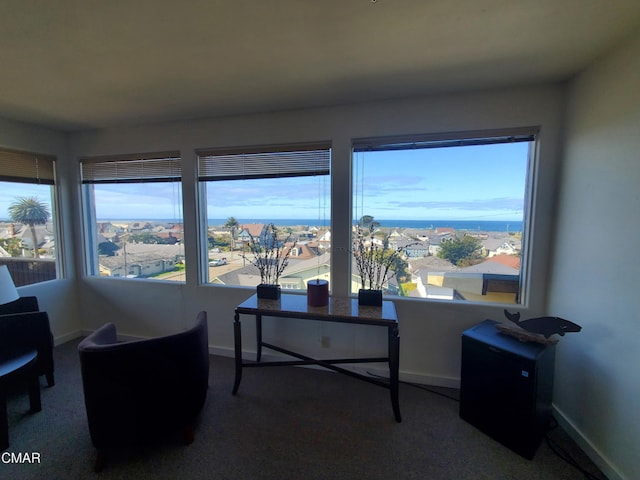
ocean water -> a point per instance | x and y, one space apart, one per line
469 225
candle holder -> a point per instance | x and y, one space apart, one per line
318 293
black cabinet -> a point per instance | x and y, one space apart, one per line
506 387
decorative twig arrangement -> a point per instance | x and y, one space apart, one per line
269 254
373 261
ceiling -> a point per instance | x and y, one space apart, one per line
82 64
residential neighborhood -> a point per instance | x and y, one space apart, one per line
155 249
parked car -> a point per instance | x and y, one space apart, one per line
218 262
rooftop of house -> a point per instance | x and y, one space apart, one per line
511 261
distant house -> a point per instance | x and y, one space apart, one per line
417 250
435 241
501 245
301 250
45 237
169 236
436 278
172 233
511 261
255 230
305 235
486 281
491 267
7 230
140 227
422 235
108 228
508 248
412 248
141 260
298 273
324 240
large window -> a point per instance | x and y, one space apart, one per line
247 189
28 216
133 214
455 207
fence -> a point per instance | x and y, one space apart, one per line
26 271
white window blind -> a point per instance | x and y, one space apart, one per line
440 140
264 162
26 167
134 168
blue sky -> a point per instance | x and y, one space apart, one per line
453 183
10 192
484 182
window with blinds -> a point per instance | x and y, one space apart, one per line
454 205
158 167
265 162
26 167
133 216
28 223
244 190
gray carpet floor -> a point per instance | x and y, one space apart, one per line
285 423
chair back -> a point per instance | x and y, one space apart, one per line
136 390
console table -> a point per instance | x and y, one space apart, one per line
341 310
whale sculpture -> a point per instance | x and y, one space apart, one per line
546 326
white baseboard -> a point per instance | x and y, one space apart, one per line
375 369
597 457
67 337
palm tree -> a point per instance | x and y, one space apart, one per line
30 211
231 225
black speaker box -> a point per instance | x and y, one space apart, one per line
506 387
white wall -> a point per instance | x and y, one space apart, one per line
595 274
56 297
430 331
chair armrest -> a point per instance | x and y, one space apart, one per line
25 330
21 305
29 331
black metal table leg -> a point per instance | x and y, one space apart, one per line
237 340
258 337
394 367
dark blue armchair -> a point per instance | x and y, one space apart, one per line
139 390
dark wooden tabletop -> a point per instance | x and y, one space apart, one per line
344 310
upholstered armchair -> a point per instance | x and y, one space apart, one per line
24 327
137 391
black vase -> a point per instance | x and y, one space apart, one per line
370 297
268 291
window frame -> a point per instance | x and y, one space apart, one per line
464 138
255 162
34 168
150 167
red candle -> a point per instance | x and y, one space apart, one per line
317 293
